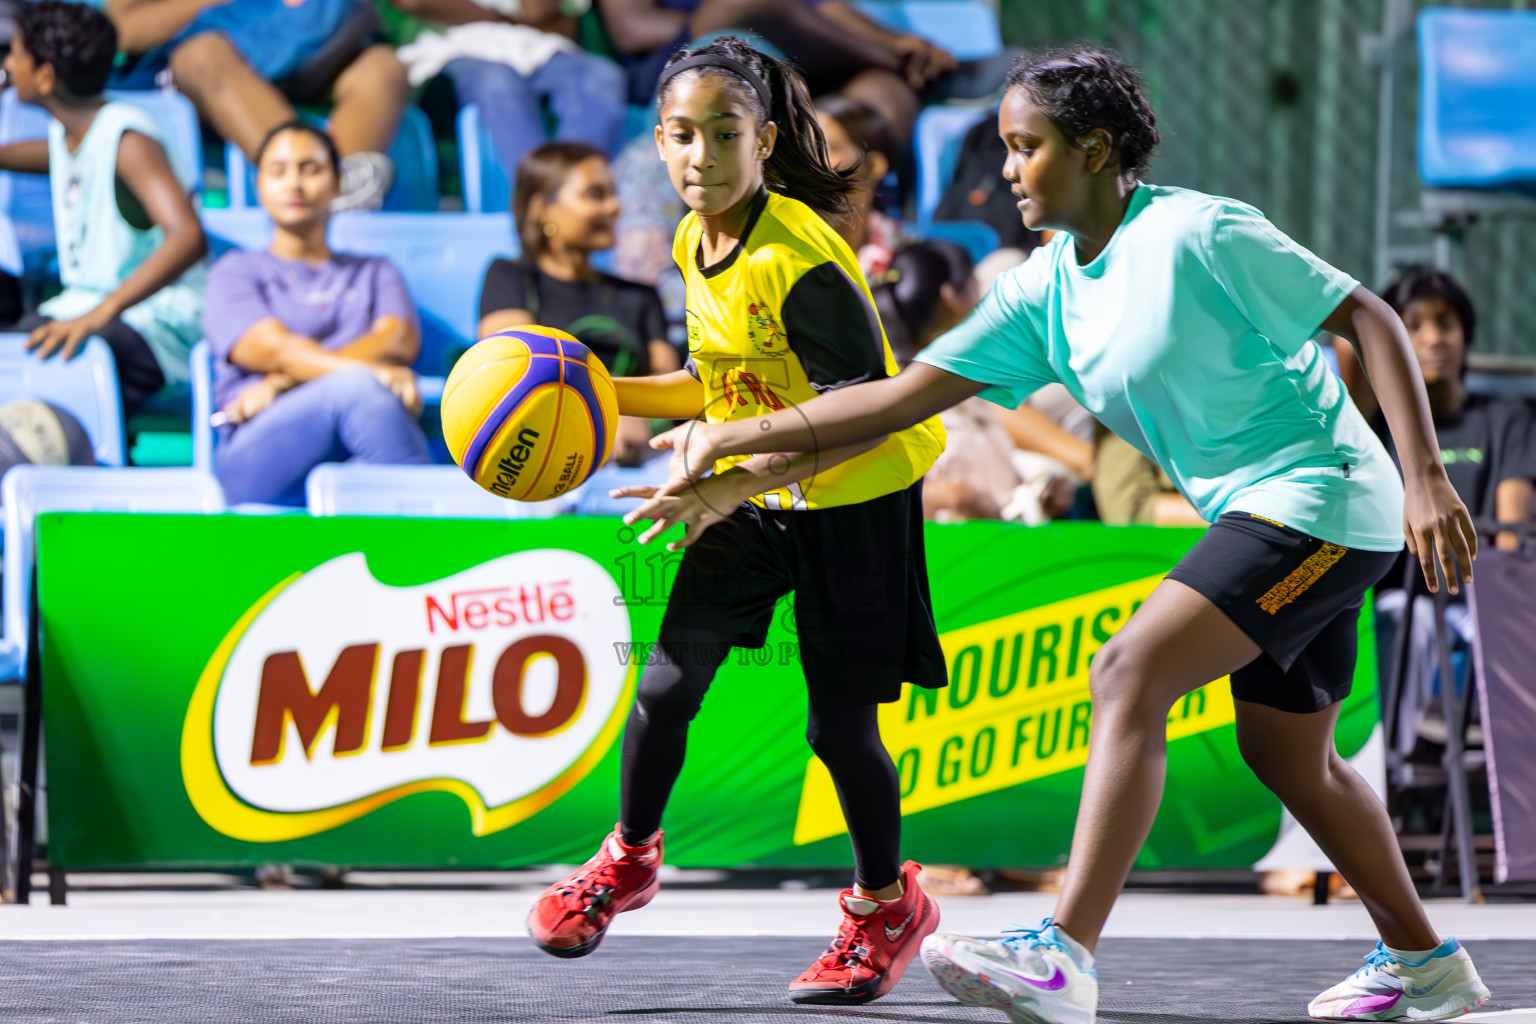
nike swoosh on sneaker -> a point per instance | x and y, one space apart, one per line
895 934
1414 992
1055 983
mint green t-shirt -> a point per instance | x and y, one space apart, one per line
1191 336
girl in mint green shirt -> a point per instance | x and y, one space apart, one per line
1186 324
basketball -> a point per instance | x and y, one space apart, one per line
529 413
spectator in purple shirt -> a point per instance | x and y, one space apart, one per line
312 349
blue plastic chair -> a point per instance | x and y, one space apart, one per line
244 227
200 366
86 386
966 28
443 257
10 248
487 188
414 153
25 198
937 139
1477 99
29 491
427 492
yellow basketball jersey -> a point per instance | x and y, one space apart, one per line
787 316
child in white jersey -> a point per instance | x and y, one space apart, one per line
1185 323
130 243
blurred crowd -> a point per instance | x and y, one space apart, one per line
313 349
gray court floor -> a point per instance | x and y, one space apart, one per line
655 980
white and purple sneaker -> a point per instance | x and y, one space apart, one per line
1039 975
1440 987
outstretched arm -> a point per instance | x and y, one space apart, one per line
1435 521
700 506
847 416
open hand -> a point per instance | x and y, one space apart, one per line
65 336
696 507
1438 527
693 454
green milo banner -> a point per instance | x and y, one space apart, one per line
227 690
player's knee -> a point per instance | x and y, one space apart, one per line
1124 681
663 697
203 60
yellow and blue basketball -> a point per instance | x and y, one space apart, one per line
529 413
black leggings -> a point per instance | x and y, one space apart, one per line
846 738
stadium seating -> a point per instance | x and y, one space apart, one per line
487 188
354 489
416 186
10 248
242 227
966 28
443 258
25 198
487 185
28 491
937 142
203 439
86 386
1477 109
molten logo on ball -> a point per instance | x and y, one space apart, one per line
529 413
336 694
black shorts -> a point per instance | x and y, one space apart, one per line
863 619
1295 596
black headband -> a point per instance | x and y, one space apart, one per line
715 60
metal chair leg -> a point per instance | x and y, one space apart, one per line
1459 801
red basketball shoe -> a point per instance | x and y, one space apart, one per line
873 947
573 915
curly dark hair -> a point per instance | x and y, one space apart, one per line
78 40
799 167
1080 87
1417 283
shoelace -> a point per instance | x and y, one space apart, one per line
851 947
1375 958
592 891
1019 937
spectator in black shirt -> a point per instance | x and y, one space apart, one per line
566 207
1488 444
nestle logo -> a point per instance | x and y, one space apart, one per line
501 606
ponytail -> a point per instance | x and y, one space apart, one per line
908 295
798 167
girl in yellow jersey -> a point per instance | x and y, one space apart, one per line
778 312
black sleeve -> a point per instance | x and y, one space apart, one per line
503 288
653 319
1516 438
834 329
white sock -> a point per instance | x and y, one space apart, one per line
1411 956
1079 952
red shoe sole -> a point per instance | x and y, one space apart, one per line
877 987
588 945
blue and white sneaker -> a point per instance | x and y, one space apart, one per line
1033 973
1444 986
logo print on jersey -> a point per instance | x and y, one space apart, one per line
763 329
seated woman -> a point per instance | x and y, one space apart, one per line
857 136
997 464
312 349
565 207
